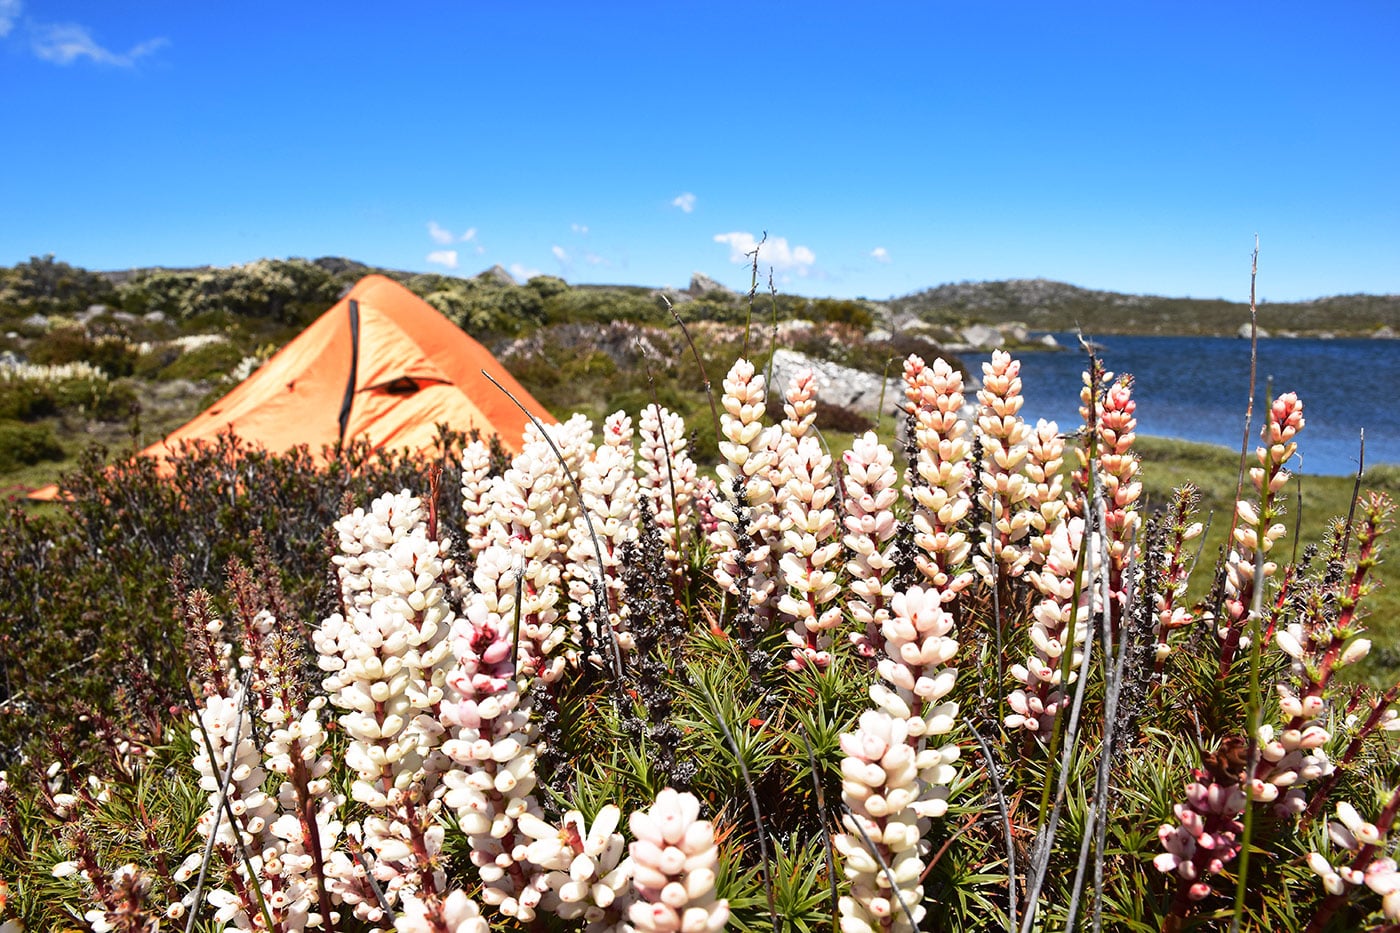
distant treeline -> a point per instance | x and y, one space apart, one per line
1046 305
295 291
493 304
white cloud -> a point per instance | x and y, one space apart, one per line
469 236
65 43
559 253
774 252
439 234
593 259
9 12
443 257
522 272
880 254
685 202
580 229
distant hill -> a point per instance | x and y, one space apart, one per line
492 302
1047 305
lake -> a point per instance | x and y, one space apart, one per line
1196 388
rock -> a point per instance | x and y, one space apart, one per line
701 283
982 336
879 335
498 275
794 327
837 384
1015 331
1386 332
9 359
36 320
1244 332
1049 341
154 317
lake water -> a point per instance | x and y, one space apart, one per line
1196 389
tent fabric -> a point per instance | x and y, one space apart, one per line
411 370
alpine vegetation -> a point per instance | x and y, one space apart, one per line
960 678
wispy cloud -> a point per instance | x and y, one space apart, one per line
774 252
560 253
580 229
880 254
593 259
439 234
685 202
65 43
9 12
443 257
522 272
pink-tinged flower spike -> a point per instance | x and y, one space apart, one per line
1256 529
1320 647
1118 469
744 506
799 411
870 486
1364 841
610 494
228 729
386 657
1206 837
455 913
126 909
1317 647
532 505
307 829
1170 614
938 481
879 785
494 745
810 552
476 492
914 685
529 518
1045 501
1035 705
799 414
893 778
1004 489
674 860
706 494
668 478
586 875
574 441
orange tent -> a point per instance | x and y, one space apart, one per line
382 364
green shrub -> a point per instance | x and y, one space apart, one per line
61 345
26 399
93 575
211 361
26 444
45 286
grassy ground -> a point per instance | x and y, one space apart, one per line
165 406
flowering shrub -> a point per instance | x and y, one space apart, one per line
591 689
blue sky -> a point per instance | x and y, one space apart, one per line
884 147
